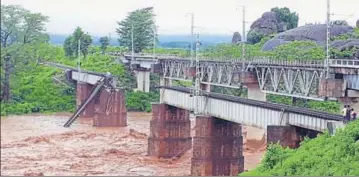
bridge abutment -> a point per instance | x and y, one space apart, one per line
170 131
83 90
217 148
110 109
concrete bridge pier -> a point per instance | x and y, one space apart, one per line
143 79
165 81
338 88
352 99
83 90
170 131
110 109
217 148
286 136
250 80
255 93
205 87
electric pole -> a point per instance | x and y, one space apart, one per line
328 38
133 52
79 57
244 33
154 41
109 39
197 79
192 31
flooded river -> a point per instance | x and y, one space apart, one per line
37 144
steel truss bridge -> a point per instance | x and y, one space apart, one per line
282 77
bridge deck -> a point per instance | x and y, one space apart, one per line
66 67
249 112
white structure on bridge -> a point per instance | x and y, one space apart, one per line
250 112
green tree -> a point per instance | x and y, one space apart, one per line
68 46
298 50
21 32
71 43
290 18
104 43
141 21
255 36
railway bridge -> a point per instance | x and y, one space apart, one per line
300 79
218 142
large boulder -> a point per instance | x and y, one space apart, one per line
345 44
236 38
315 33
350 44
266 25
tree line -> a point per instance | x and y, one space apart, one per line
23 32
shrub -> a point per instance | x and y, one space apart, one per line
325 155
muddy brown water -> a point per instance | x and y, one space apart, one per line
37 144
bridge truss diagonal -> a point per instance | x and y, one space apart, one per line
290 80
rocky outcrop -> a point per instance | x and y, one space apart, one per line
357 25
236 38
268 24
345 44
349 44
315 33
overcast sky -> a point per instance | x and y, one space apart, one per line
98 17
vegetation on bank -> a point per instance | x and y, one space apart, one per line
44 89
27 80
136 101
325 155
34 91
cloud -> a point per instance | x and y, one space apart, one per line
213 16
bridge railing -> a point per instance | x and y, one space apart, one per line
349 63
302 63
344 63
259 60
114 53
157 56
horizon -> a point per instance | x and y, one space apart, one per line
212 17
